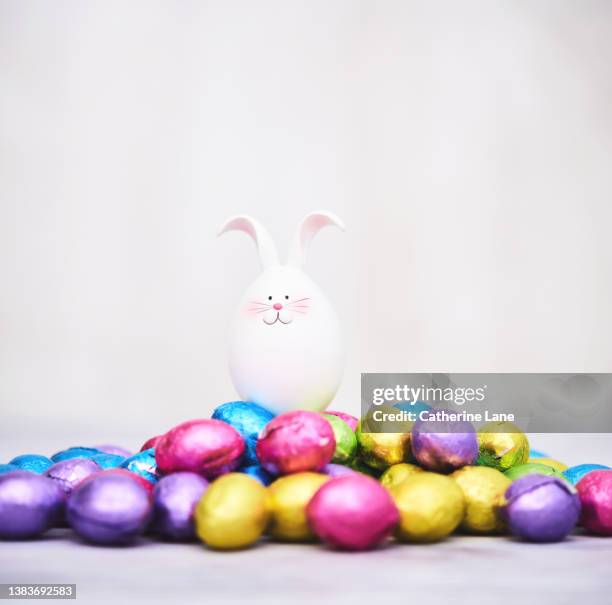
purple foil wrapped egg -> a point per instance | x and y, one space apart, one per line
67 474
350 420
29 505
109 508
444 447
595 491
174 500
208 447
541 508
337 470
353 513
116 450
296 441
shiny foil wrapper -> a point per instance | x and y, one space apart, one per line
29 505
67 474
174 500
288 498
109 508
35 463
502 445
531 468
122 472
595 491
443 446
296 441
350 420
233 513
431 506
151 442
540 508
352 513
115 450
208 447
257 472
74 452
398 473
8 468
249 419
346 441
143 464
574 473
108 460
483 488
337 470
558 466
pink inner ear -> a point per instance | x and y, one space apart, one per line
311 227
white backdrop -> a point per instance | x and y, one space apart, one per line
467 146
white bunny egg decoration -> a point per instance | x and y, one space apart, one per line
285 346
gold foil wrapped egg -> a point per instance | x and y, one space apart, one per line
558 466
502 445
398 473
288 498
431 506
383 442
233 512
483 488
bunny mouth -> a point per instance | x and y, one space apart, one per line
277 318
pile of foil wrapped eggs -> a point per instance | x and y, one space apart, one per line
246 474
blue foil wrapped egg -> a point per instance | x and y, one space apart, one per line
416 407
8 468
249 419
258 472
143 464
35 463
537 454
108 460
75 452
575 473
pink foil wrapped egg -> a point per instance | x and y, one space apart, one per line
595 492
150 442
208 447
350 420
353 512
296 441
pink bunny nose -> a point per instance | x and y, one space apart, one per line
277 306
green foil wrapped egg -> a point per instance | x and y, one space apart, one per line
483 489
530 468
383 443
558 466
346 441
398 473
502 445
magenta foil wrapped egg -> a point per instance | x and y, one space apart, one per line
444 447
353 512
296 441
207 447
595 492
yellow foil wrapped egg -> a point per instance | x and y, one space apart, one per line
233 512
383 443
558 466
483 488
502 445
288 498
431 506
398 473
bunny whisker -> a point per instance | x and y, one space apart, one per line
299 300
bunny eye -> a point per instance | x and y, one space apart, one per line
269 298
286 297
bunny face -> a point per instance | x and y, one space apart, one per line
285 346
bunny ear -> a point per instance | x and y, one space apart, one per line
308 228
267 250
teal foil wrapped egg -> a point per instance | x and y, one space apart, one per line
75 452
258 472
34 463
249 419
109 460
143 464
8 468
575 473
